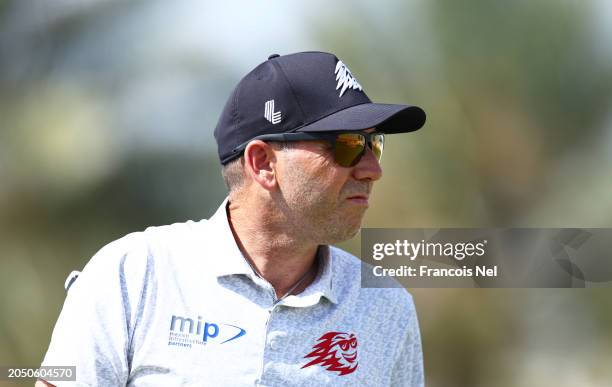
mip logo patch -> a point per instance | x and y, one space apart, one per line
185 332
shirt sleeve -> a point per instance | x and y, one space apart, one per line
408 368
95 326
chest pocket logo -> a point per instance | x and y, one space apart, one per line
185 332
336 352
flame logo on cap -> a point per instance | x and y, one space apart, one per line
345 78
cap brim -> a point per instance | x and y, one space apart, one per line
386 118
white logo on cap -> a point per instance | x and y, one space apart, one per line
345 78
270 114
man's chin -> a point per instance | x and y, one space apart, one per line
342 233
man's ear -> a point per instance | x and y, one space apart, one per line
259 163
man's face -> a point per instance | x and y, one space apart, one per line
324 201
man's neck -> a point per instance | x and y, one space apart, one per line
269 245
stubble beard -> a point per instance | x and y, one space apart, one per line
324 219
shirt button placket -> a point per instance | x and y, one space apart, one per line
267 347
274 341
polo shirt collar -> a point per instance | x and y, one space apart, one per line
322 286
230 261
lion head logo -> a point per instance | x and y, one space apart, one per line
336 351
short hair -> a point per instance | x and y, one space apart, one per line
233 172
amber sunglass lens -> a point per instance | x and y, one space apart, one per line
349 148
378 144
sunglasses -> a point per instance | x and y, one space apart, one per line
348 147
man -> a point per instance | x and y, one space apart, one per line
255 295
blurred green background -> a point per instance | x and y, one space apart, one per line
106 116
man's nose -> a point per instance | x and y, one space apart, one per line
368 168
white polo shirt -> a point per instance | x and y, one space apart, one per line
179 305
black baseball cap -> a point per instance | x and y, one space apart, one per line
304 92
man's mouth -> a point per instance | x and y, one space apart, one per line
360 199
